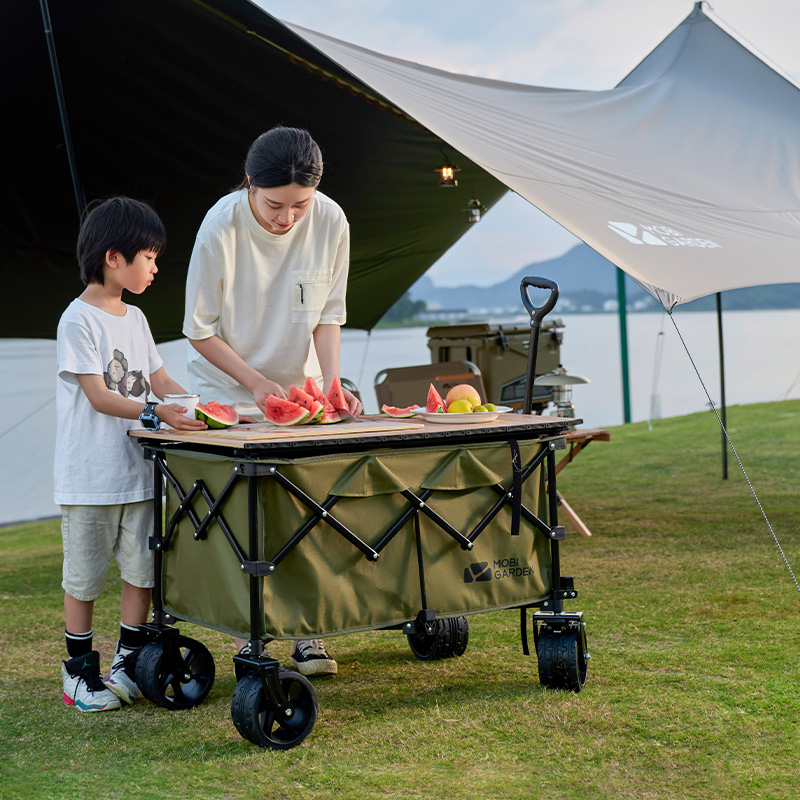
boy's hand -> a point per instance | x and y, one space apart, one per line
173 415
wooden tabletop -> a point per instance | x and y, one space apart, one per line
375 430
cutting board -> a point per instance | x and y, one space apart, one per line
263 430
240 435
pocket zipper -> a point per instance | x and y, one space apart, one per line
301 293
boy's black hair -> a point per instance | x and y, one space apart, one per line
119 223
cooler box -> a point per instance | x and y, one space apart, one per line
500 352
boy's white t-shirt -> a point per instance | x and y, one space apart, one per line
96 462
264 294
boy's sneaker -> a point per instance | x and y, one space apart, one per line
83 686
311 658
122 677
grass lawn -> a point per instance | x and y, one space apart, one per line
693 686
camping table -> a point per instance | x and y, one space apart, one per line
577 440
376 523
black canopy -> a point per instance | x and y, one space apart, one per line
163 98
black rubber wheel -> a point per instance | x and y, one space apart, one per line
562 657
175 686
256 719
449 638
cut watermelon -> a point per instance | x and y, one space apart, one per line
216 415
283 412
336 395
315 408
435 402
399 412
329 413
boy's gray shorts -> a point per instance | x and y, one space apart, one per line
93 534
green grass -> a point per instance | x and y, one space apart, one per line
693 688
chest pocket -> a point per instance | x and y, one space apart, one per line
309 294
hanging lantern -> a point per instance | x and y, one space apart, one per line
448 173
474 209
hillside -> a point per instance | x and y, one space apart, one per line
587 282
585 278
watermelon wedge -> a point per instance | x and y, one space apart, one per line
315 408
283 412
435 402
216 415
399 413
336 395
329 413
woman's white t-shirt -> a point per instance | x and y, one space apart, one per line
264 294
96 462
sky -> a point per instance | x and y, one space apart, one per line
569 44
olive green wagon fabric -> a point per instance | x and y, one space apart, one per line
325 585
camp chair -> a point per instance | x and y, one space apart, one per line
404 386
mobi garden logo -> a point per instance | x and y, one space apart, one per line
658 235
500 569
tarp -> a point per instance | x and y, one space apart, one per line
163 99
686 175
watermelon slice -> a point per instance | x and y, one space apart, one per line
399 413
283 412
336 395
435 402
216 415
329 413
315 408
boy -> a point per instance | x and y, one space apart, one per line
107 367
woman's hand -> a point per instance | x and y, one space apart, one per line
265 388
354 405
173 415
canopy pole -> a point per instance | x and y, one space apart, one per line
80 200
722 387
622 305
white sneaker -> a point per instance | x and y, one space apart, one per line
121 678
311 658
83 686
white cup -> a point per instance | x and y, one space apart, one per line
188 400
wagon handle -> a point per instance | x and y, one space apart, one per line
538 313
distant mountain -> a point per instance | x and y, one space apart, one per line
587 282
585 279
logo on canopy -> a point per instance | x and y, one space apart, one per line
658 235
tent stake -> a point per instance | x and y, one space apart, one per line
722 387
62 108
622 304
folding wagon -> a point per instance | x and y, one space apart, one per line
373 524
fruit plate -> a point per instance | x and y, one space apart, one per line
473 418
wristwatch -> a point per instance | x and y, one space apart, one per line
148 417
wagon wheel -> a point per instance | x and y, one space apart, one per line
257 720
563 656
449 638
175 683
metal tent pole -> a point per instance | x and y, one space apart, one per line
722 387
80 201
622 304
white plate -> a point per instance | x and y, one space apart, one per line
474 418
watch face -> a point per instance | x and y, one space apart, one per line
149 422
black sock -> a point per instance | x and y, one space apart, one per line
78 644
130 638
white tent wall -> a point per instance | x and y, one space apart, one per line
686 176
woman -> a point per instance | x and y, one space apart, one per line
265 294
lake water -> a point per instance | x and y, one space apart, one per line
761 354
